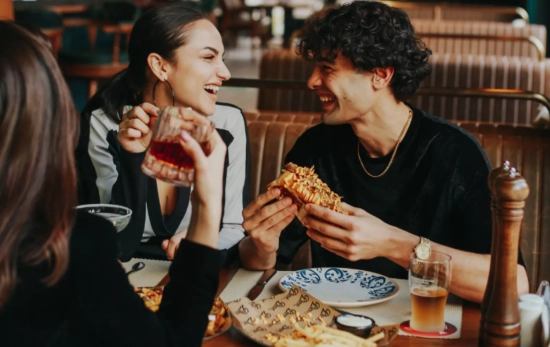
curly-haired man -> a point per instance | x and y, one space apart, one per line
413 182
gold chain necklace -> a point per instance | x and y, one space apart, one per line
394 150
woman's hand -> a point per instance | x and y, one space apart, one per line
172 244
209 167
136 127
206 196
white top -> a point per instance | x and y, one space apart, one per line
226 117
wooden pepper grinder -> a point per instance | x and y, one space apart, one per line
502 170
500 321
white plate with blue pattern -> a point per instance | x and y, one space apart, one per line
342 287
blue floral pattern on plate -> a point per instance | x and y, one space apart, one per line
342 287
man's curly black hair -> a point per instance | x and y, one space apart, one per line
371 34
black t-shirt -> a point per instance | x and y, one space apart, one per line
436 187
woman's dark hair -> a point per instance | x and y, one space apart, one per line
159 30
38 133
371 34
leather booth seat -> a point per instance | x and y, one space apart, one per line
504 45
448 71
483 27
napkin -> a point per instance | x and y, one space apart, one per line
153 272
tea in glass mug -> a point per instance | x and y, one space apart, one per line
165 158
429 287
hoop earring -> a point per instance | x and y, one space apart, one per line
171 90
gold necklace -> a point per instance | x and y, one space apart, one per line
394 150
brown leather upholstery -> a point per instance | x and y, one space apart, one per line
448 71
421 12
471 27
284 64
526 148
482 38
491 46
450 11
283 116
471 71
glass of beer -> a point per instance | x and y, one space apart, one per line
429 281
165 158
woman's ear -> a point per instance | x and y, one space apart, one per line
158 66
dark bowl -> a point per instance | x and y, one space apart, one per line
352 323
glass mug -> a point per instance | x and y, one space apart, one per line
165 158
429 281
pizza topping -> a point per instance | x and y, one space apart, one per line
304 185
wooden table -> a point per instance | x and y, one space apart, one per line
469 333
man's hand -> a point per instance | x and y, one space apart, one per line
264 222
358 235
172 244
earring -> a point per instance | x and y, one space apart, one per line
171 90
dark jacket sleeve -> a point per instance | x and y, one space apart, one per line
112 310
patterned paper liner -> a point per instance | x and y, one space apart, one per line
255 319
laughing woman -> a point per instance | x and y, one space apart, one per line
175 58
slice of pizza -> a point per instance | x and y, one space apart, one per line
304 186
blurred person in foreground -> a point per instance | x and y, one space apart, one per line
60 281
412 182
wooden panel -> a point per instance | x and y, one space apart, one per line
530 237
493 147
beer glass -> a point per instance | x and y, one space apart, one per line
429 281
165 158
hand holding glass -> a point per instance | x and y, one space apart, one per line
165 158
429 287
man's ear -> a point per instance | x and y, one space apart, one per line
158 66
381 77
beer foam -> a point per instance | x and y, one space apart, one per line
429 291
